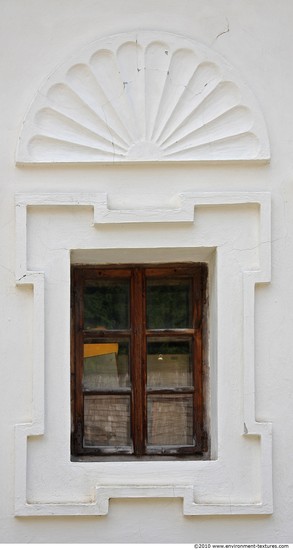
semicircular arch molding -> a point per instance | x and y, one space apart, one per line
146 96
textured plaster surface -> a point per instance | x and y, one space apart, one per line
256 39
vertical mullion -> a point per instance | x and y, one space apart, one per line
72 361
78 358
138 361
199 292
198 390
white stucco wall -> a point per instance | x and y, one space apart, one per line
255 38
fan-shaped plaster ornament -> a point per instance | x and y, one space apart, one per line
146 96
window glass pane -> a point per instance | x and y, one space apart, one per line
170 420
169 363
106 420
106 365
106 304
168 303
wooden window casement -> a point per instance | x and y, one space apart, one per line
137 361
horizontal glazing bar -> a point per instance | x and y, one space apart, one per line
188 390
91 335
108 391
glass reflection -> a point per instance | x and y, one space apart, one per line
106 420
169 363
170 420
168 304
106 304
106 365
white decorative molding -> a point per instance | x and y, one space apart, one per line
145 96
98 504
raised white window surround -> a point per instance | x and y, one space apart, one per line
231 231
143 96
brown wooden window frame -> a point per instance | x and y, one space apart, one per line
137 334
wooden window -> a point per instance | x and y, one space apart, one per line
137 360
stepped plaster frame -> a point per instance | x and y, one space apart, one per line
185 214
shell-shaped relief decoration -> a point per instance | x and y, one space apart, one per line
143 97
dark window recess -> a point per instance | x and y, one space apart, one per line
137 361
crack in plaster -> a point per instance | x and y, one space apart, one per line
227 29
